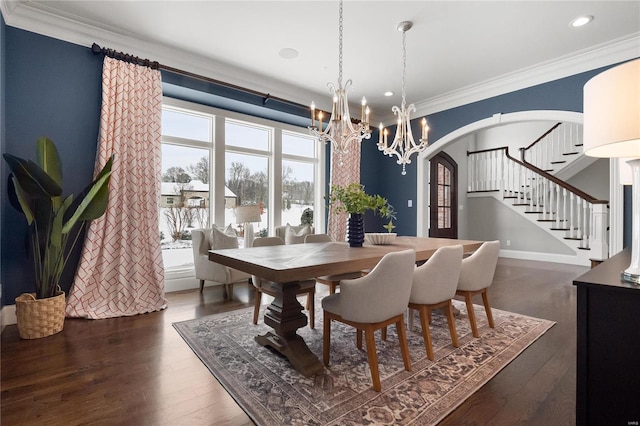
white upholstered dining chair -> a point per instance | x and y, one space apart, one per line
331 280
373 302
207 239
261 285
476 275
434 285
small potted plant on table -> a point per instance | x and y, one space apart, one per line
354 200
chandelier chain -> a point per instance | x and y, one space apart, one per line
404 69
340 47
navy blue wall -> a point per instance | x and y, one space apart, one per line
54 90
382 174
2 138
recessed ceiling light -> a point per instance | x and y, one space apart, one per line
388 93
581 21
288 53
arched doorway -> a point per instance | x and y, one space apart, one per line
423 161
443 187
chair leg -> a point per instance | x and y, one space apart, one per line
426 331
311 296
384 333
471 314
487 308
230 291
332 287
372 356
326 338
256 306
201 285
452 324
404 346
359 338
410 319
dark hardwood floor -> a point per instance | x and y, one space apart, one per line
138 371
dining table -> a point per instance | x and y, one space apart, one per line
286 265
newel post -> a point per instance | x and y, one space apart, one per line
599 240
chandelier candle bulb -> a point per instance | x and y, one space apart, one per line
313 114
320 120
366 116
364 104
425 128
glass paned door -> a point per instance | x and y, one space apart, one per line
443 221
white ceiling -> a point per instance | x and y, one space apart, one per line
457 51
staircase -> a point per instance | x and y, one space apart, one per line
531 188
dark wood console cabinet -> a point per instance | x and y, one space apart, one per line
608 346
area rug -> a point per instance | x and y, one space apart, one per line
271 392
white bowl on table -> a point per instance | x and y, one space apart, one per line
380 238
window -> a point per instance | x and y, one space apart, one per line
265 163
187 142
298 171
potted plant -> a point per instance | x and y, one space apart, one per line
55 222
354 200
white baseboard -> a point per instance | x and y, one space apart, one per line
8 315
544 257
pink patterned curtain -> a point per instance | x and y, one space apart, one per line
121 271
342 175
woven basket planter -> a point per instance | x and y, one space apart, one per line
40 317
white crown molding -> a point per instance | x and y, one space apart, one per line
35 17
619 50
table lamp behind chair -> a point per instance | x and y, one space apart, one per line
246 215
612 130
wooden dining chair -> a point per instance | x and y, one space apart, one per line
373 302
330 280
261 285
476 275
434 285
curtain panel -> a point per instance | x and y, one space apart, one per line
121 271
343 175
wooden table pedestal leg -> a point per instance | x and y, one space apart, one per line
285 316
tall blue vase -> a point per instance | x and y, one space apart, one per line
355 231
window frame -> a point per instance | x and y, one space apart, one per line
217 150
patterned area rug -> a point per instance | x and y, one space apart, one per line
272 393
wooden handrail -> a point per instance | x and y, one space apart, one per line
539 139
551 177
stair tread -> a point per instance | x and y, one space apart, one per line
558 162
570 153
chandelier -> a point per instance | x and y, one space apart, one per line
340 131
403 145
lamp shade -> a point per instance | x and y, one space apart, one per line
612 112
248 214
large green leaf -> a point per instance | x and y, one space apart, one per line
48 159
85 210
97 207
33 179
43 214
18 199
